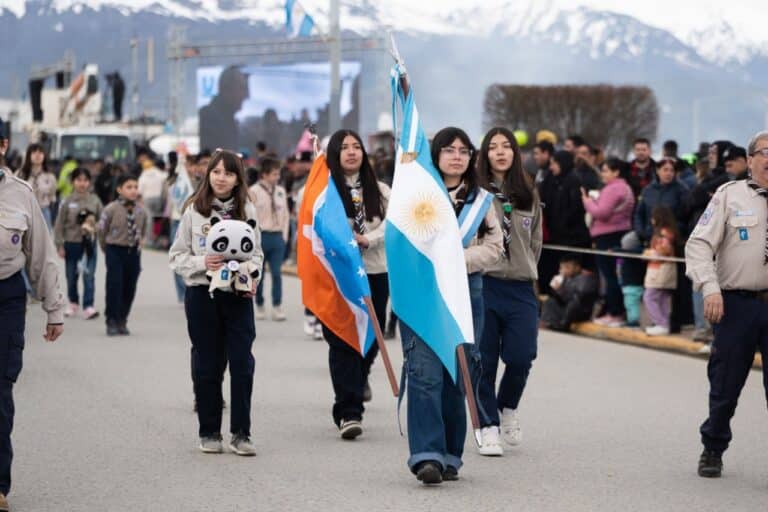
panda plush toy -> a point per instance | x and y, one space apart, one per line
235 240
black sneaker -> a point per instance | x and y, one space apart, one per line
122 330
350 429
428 473
710 464
451 474
112 330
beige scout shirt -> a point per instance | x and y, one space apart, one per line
271 208
374 257
726 249
524 246
67 229
44 185
26 243
187 254
483 252
113 225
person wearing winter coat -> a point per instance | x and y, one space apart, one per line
665 191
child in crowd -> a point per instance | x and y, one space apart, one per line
75 237
120 230
661 276
631 278
220 324
574 295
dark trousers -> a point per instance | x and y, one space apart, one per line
221 330
273 245
123 268
509 332
606 265
743 329
349 370
73 254
13 303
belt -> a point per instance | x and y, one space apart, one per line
761 295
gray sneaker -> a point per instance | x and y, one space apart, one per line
241 445
211 444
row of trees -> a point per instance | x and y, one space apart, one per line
608 116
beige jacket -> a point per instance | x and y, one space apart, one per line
271 220
113 225
67 229
26 243
374 257
44 185
726 248
187 254
483 252
524 246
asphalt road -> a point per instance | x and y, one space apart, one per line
106 424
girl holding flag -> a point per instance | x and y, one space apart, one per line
511 309
437 422
365 203
220 325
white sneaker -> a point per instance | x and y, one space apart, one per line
309 325
510 427
705 349
71 310
261 313
277 314
490 442
657 330
318 334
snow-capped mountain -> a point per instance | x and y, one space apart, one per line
699 56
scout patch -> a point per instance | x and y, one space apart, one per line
527 223
206 229
233 265
224 274
15 238
706 216
201 242
743 234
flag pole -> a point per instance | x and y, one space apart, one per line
382 347
469 390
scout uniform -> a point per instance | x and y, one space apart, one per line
726 253
120 227
25 243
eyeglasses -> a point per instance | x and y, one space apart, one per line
763 152
452 151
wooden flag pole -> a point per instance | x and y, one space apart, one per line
470 392
382 348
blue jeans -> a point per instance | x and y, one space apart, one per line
73 253
437 420
698 311
509 332
47 216
273 245
177 280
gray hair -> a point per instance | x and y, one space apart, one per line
762 135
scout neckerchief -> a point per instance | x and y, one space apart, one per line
356 191
225 209
133 235
763 192
506 225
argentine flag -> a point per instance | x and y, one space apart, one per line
427 273
298 22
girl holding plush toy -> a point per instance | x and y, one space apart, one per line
218 253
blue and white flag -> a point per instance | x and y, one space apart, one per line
427 273
298 22
472 215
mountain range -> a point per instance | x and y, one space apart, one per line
715 73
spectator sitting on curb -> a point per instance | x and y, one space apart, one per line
574 292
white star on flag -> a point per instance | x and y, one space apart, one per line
353 242
362 301
333 253
361 271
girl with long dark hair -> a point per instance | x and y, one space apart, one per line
221 326
437 422
35 171
365 203
510 328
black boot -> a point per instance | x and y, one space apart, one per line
122 329
710 464
429 472
112 329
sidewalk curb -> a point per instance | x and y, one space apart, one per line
628 336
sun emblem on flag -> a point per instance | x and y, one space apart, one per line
425 215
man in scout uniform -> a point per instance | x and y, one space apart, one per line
727 260
25 243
